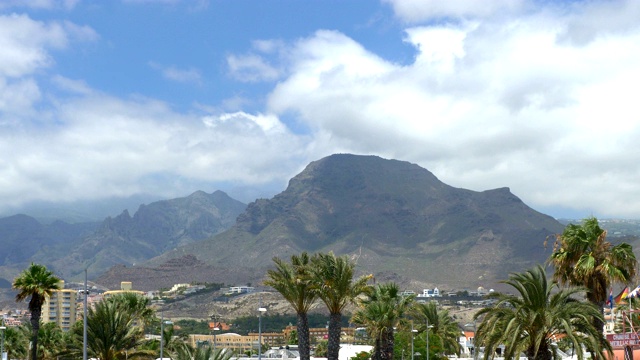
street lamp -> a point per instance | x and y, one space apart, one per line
162 322
84 320
3 328
413 331
260 311
214 327
214 338
427 331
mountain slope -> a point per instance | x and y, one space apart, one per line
24 237
395 218
125 239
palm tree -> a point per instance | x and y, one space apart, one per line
37 283
137 305
111 332
583 257
202 353
51 341
16 342
442 327
530 322
171 344
333 281
292 281
380 312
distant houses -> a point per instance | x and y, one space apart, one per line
460 297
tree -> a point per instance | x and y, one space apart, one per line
202 353
16 342
292 281
136 305
529 323
321 349
51 341
380 312
37 283
171 345
583 257
442 326
111 332
293 338
333 281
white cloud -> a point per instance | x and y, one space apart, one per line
104 145
543 102
251 68
423 10
26 45
25 42
190 75
485 104
72 86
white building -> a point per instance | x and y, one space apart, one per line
241 289
431 293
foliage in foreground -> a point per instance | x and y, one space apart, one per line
583 257
529 322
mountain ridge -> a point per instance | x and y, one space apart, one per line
69 249
395 218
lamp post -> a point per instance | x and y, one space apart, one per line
161 335
427 331
3 328
214 328
413 331
475 343
260 311
84 319
162 322
214 338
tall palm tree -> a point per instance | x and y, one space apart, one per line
583 257
380 312
293 282
441 326
333 281
37 283
530 322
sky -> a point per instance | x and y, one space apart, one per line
112 99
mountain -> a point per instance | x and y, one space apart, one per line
153 229
25 237
396 219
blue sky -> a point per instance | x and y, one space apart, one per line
104 99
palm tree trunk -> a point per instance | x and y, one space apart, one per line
333 346
544 353
387 345
376 348
35 327
597 323
303 337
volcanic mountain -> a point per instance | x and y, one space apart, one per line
394 218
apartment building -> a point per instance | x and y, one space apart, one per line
60 307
